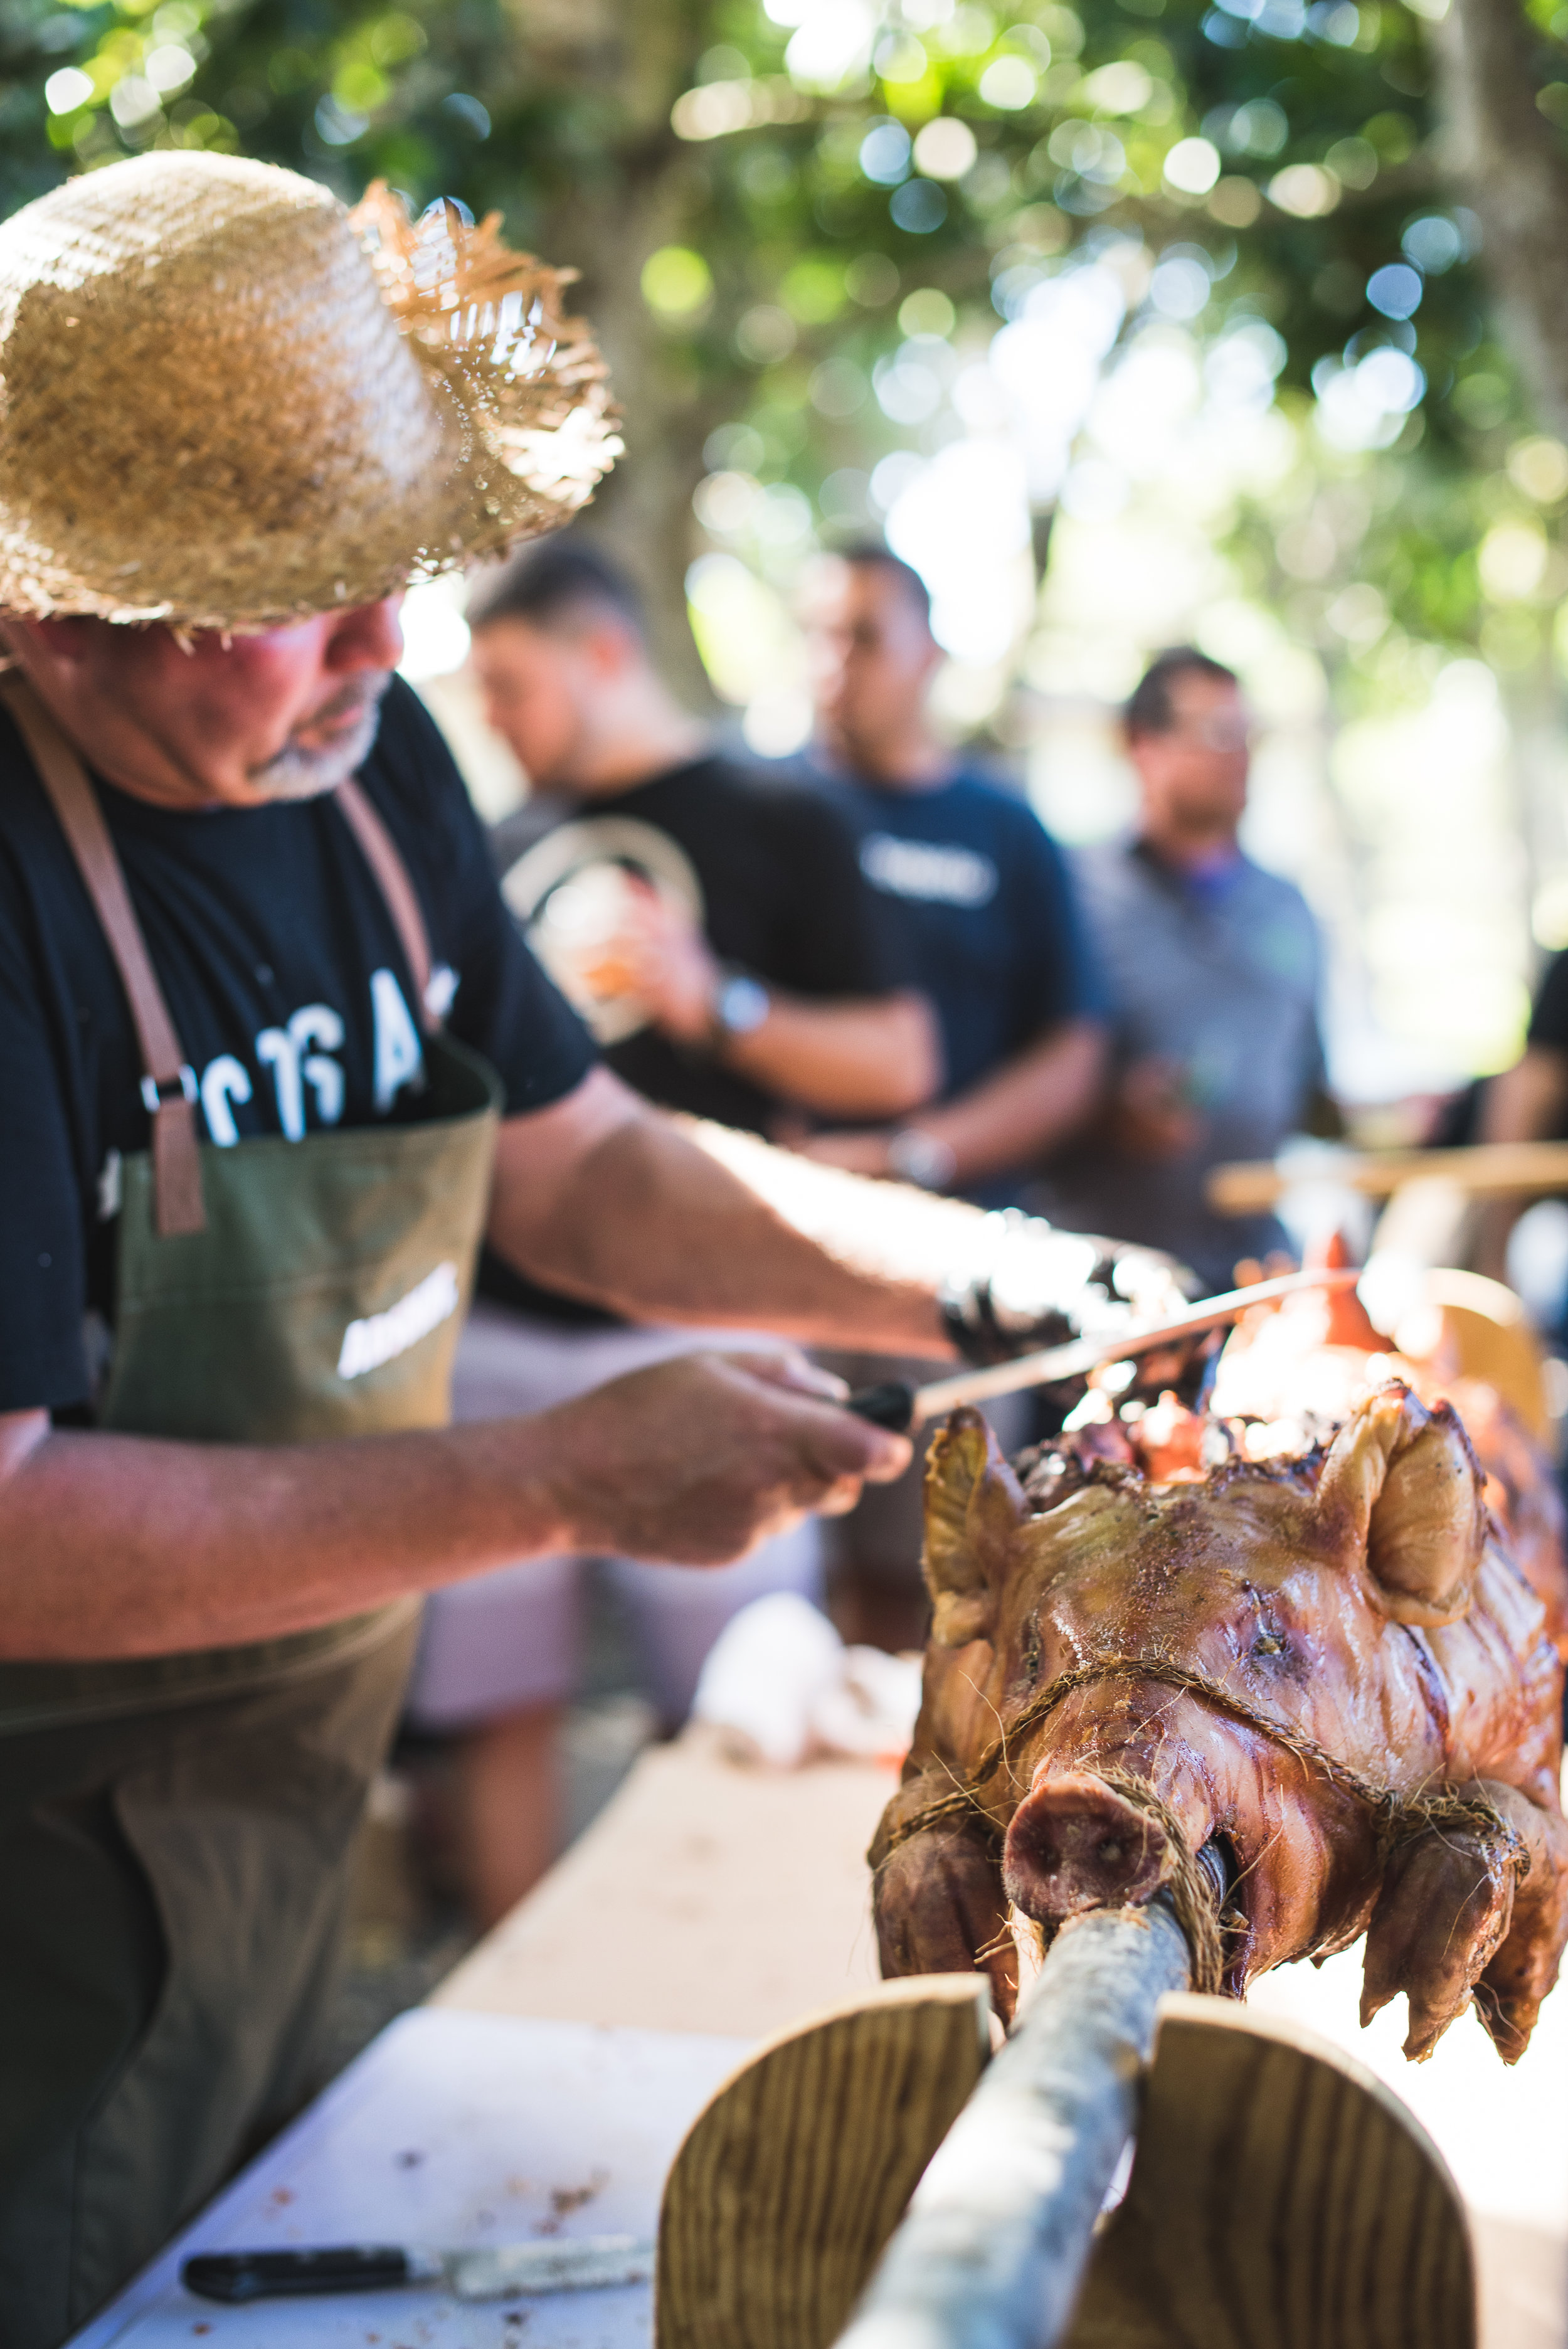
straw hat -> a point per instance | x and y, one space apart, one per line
227 402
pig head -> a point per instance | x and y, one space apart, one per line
1321 1677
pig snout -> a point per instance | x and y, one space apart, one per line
1076 1844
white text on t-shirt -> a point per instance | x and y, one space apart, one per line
933 872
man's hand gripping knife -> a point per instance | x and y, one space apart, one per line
697 1460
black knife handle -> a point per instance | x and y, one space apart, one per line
279 2275
891 1404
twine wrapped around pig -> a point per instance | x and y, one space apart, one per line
1310 1697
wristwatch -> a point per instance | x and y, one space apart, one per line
740 1003
919 1158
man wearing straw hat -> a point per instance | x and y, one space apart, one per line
272 1057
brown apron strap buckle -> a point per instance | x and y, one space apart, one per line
155 1091
178 1202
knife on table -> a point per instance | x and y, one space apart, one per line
495 2271
895 1404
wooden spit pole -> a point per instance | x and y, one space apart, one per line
992 2252
1488 1170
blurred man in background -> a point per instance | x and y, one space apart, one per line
713 926
715 933
1213 967
978 888
1527 1103
986 907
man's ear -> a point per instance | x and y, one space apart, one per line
612 648
64 640
973 1506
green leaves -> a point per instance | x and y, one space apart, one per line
766 190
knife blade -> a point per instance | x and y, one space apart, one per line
895 1404
489 2272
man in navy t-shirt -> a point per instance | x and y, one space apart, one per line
979 890
990 932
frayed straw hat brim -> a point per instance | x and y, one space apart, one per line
228 403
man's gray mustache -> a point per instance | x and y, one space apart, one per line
301 769
356 700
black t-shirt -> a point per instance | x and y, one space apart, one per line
766 869
287 985
991 926
1549 1020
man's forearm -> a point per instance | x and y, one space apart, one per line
663 1219
667 1220
122 1545
1011 1119
1026 1108
873 1059
119 1546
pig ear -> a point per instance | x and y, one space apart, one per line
1403 1484
973 1505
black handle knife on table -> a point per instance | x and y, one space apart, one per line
492 2271
237 2276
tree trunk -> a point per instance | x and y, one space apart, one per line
1510 165
1508 161
624 66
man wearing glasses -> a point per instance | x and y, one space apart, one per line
1214 968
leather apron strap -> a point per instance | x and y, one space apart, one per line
169 1081
392 879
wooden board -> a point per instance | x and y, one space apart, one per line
1280 2199
707 1897
793 2177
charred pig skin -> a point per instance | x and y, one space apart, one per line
1323 1671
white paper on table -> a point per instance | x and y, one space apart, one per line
780 1687
451 2129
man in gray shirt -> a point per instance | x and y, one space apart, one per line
1214 968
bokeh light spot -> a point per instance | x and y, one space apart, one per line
1192 166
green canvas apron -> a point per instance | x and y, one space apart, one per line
175 1831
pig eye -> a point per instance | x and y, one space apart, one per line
1268 1643
1032 1650
1218 1861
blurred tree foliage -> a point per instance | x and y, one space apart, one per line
754 199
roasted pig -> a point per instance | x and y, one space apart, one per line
1280 1656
